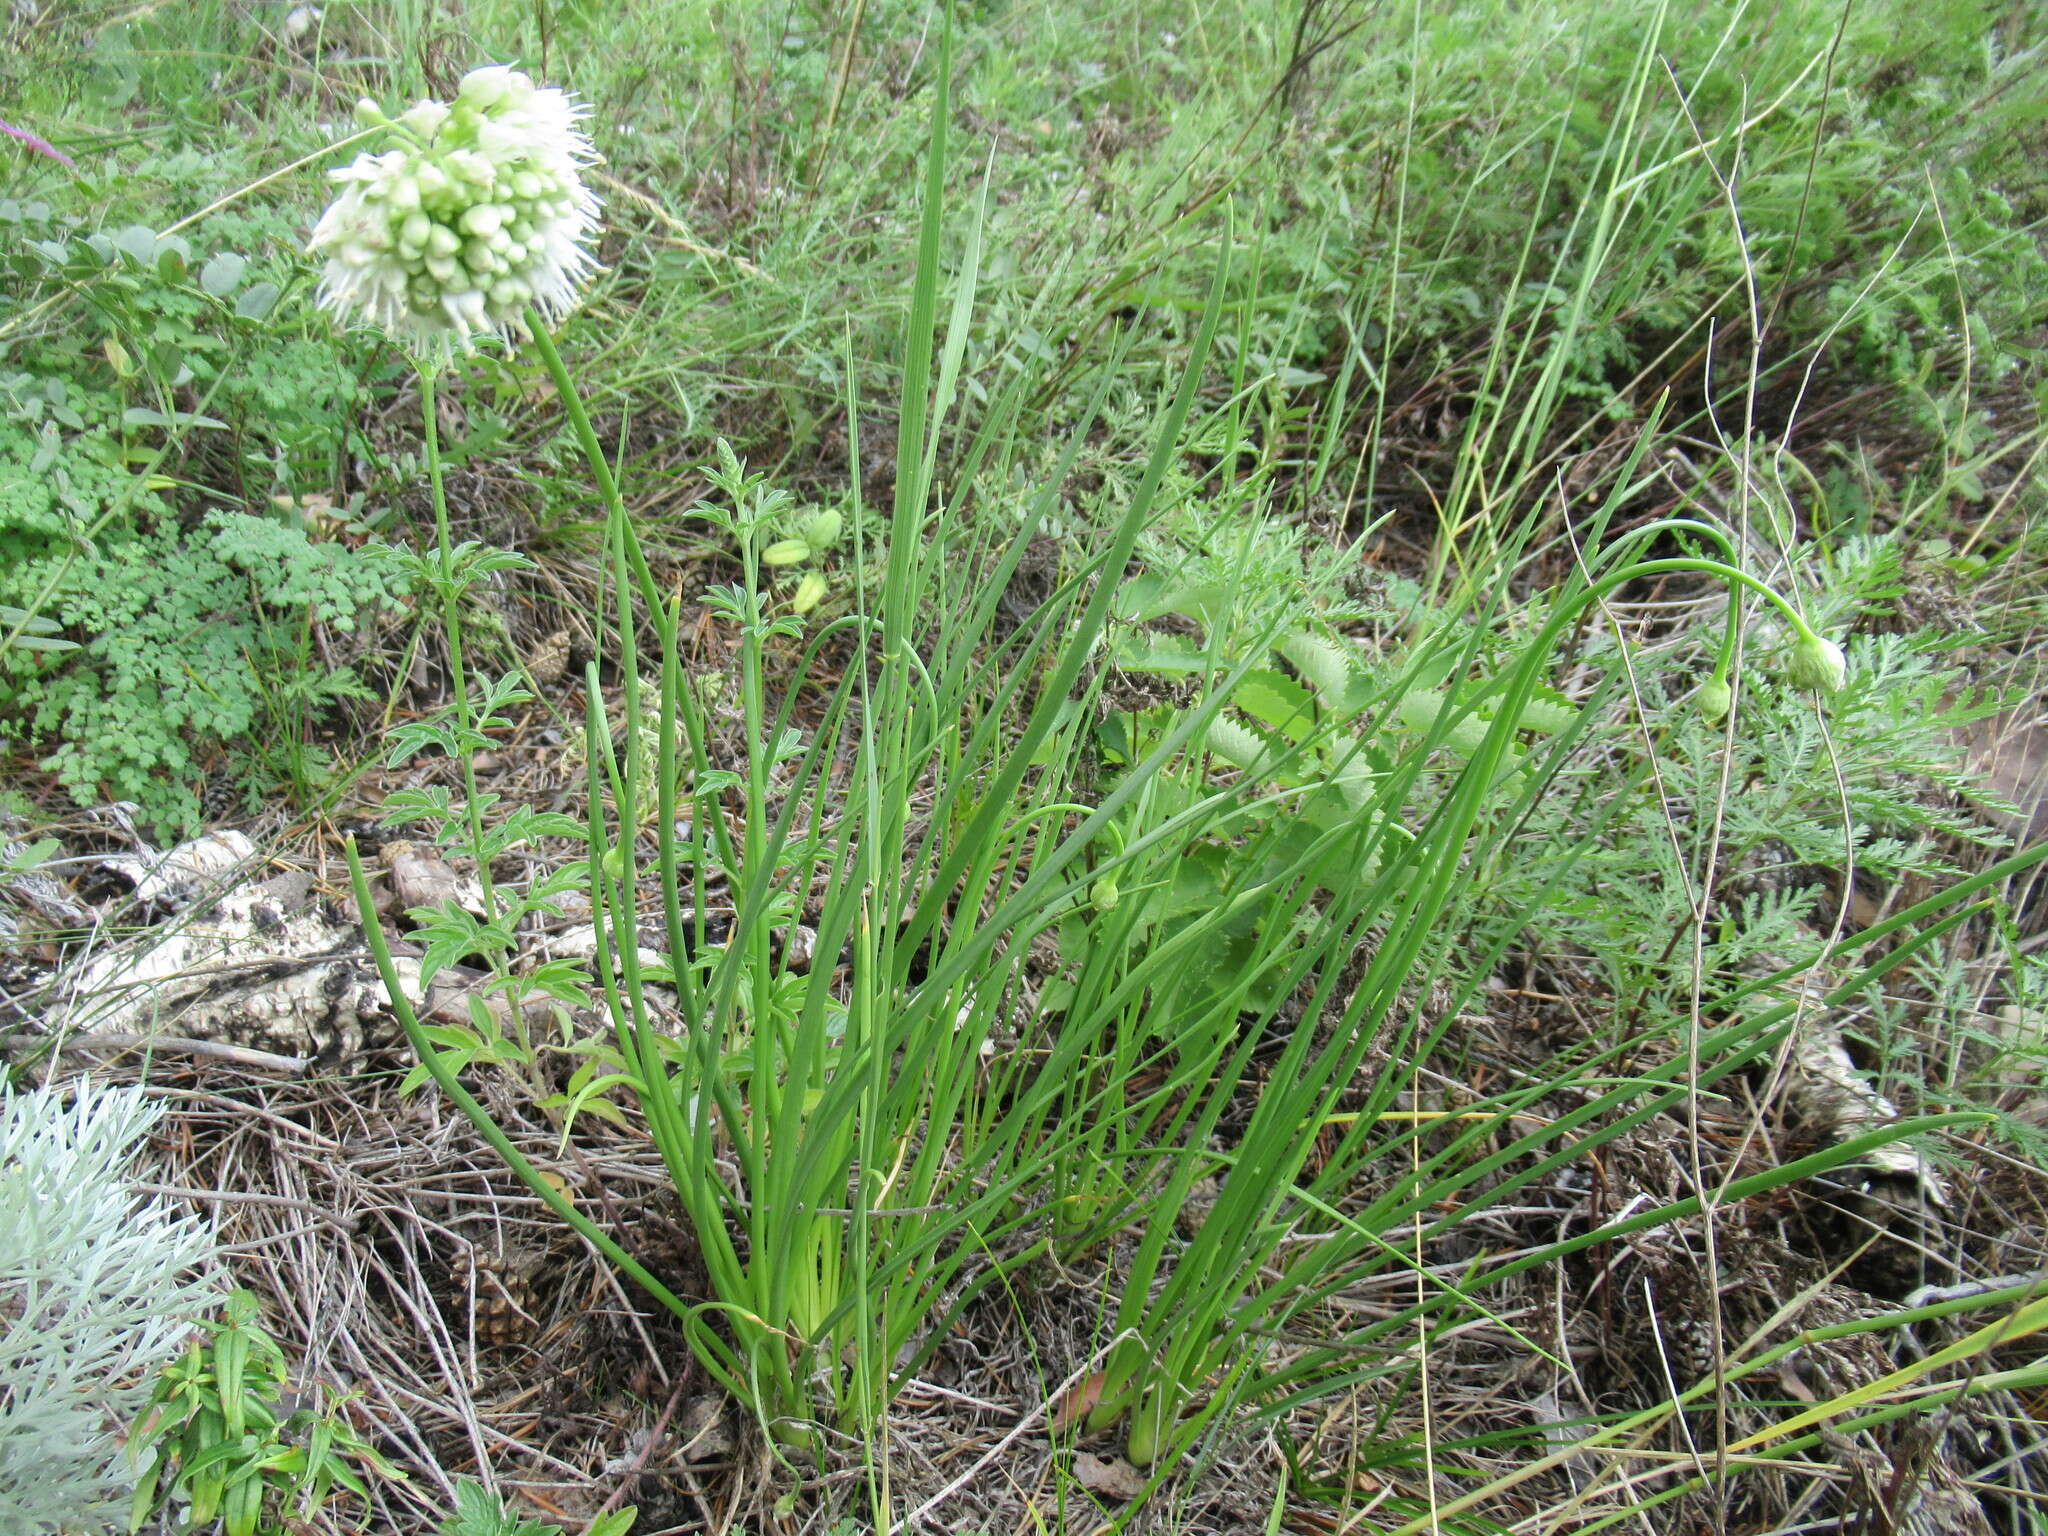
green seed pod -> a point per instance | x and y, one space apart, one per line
1103 895
821 529
786 552
809 592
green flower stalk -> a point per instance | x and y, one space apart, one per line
473 222
476 214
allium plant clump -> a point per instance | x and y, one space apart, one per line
94 1295
476 213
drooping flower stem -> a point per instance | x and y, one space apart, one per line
451 619
1735 577
1716 695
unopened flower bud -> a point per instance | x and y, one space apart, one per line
467 165
1714 699
482 89
425 119
1817 663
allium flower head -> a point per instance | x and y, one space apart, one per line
477 211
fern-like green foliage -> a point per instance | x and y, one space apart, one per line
156 366
1877 783
479 1512
188 636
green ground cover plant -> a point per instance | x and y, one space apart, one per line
137 362
212 1445
1225 661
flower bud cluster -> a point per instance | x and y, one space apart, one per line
477 212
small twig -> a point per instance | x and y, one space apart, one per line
179 1045
245 1197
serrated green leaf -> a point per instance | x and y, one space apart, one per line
1274 699
1163 654
1330 668
1548 715
1418 711
1243 746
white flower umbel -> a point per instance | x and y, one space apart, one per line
475 213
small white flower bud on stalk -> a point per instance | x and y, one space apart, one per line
478 212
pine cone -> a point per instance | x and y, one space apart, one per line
499 1288
549 659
